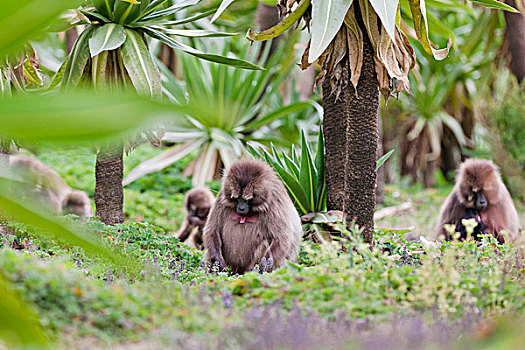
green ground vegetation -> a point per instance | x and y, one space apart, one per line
475 292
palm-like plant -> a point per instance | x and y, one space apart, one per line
226 108
425 122
362 51
112 51
438 119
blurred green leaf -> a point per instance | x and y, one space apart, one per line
18 324
495 5
23 20
268 118
78 116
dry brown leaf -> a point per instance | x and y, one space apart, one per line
304 59
355 47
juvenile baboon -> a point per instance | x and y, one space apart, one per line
50 188
198 202
477 230
479 189
253 221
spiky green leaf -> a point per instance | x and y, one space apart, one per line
108 37
77 60
224 4
383 159
210 57
321 171
308 175
23 20
140 66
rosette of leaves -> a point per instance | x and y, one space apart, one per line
335 34
113 52
113 47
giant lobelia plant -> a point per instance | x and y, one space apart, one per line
362 51
112 52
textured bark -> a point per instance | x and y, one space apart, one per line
362 142
350 125
515 35
109 193
335 125
380 198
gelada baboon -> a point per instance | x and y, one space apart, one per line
198 202
253 221
479 193
50 188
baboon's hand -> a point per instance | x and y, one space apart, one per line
219 261
266 264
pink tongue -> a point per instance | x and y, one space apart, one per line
243 219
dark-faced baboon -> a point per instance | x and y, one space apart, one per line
479 190
198 202
253 221
49 187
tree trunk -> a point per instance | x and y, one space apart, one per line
71 38
169 58
449 161
350 125
109 193
335 126
515 35
267 16
380 188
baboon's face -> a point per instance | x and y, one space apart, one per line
198 206
478 185
475 198
247 192
77 203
